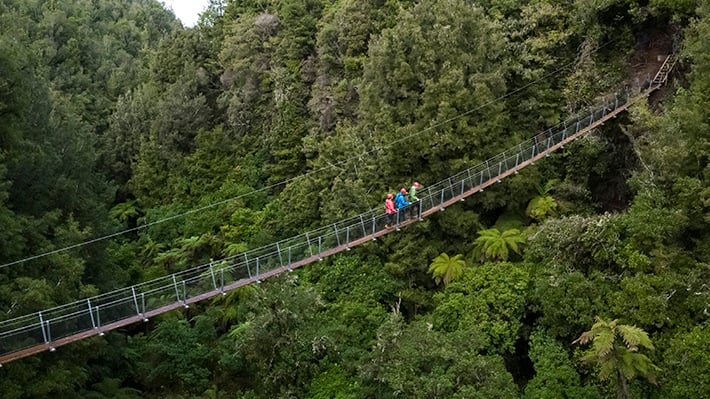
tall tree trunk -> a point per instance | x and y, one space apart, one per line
622 389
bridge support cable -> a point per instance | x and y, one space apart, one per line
30 334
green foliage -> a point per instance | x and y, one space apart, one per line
128 127
576 242
158 166
409 85
62 66
555 376
650 223
420 362
176 356
489 299
125 211
615 350
279 345
265 72
342 43
567 301
543 205
679 8
445 269
356 293
350 278
494 245
10 244
333 384
60 380
112 116
111 388
685 373
644 298
458 223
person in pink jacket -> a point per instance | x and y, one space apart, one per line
390 211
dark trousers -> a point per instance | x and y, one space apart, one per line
389 220
410 211
413 209
401 215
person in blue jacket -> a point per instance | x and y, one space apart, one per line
400 201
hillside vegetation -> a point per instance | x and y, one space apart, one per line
585 276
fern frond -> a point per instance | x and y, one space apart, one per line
634 337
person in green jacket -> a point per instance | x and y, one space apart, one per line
414 208
413 192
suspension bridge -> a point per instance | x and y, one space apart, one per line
49 329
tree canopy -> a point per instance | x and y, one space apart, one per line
270 118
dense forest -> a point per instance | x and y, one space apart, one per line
583 276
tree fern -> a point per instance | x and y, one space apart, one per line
543 205
618 358
492 244
445 269
125 210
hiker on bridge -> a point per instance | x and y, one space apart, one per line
414 199
400 201
390 211
413 192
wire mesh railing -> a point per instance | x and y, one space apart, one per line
99 313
